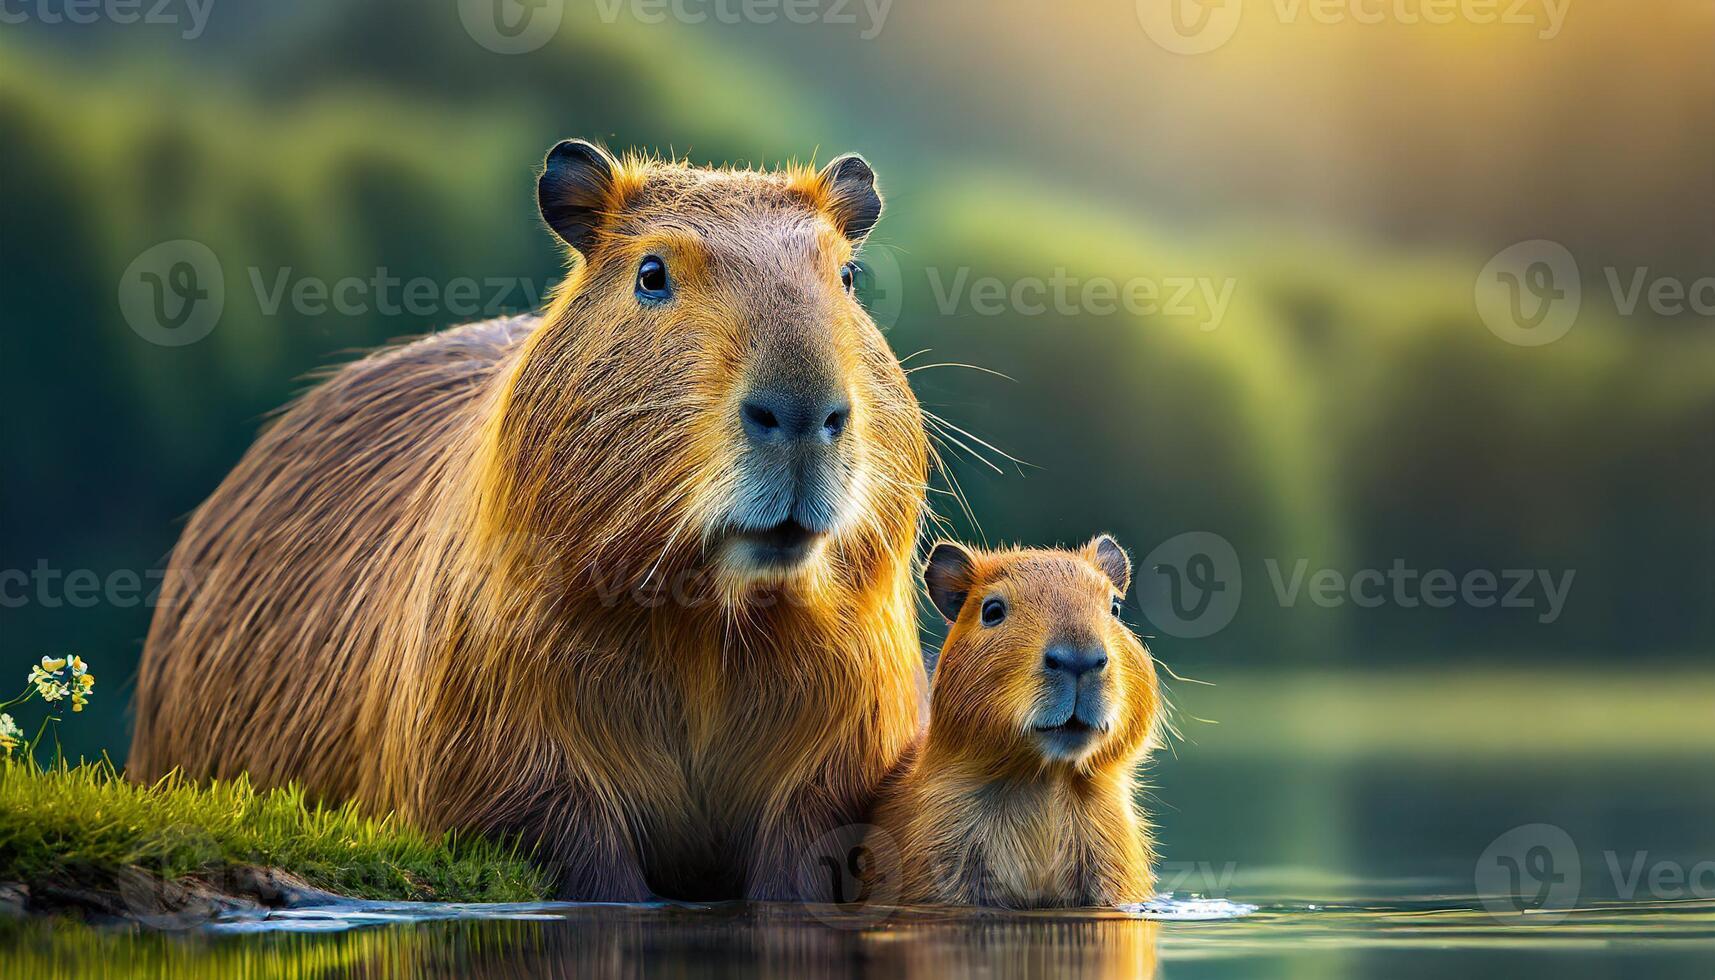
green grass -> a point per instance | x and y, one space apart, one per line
89 818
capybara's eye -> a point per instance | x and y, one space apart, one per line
652 284
994 610
1116 607
848 276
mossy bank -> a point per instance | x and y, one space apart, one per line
83 841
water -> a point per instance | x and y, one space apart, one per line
1362 819
1422 937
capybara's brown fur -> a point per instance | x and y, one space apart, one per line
630 580
1022 792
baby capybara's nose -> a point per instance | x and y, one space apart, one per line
1076 660
777 416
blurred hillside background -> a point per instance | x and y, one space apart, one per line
1329 395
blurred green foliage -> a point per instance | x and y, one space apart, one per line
1350 408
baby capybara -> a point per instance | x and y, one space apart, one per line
630 580
1022 792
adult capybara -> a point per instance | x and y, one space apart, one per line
1022 792
631 579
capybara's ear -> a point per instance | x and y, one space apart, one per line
948 576
1111 559
851 198
574 190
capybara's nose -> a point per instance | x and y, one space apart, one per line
779 417
1075 660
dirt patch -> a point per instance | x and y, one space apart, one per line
134 895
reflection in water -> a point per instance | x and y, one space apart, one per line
1417 937
777 942
736 940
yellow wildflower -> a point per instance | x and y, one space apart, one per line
11 736
49 686
52 684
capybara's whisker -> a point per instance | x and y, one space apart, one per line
960 364
939 421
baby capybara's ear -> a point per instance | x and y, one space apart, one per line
1111 559
948 576
574 190
849 194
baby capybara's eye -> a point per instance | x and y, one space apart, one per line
652 280
1116 607
848 276
994 610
